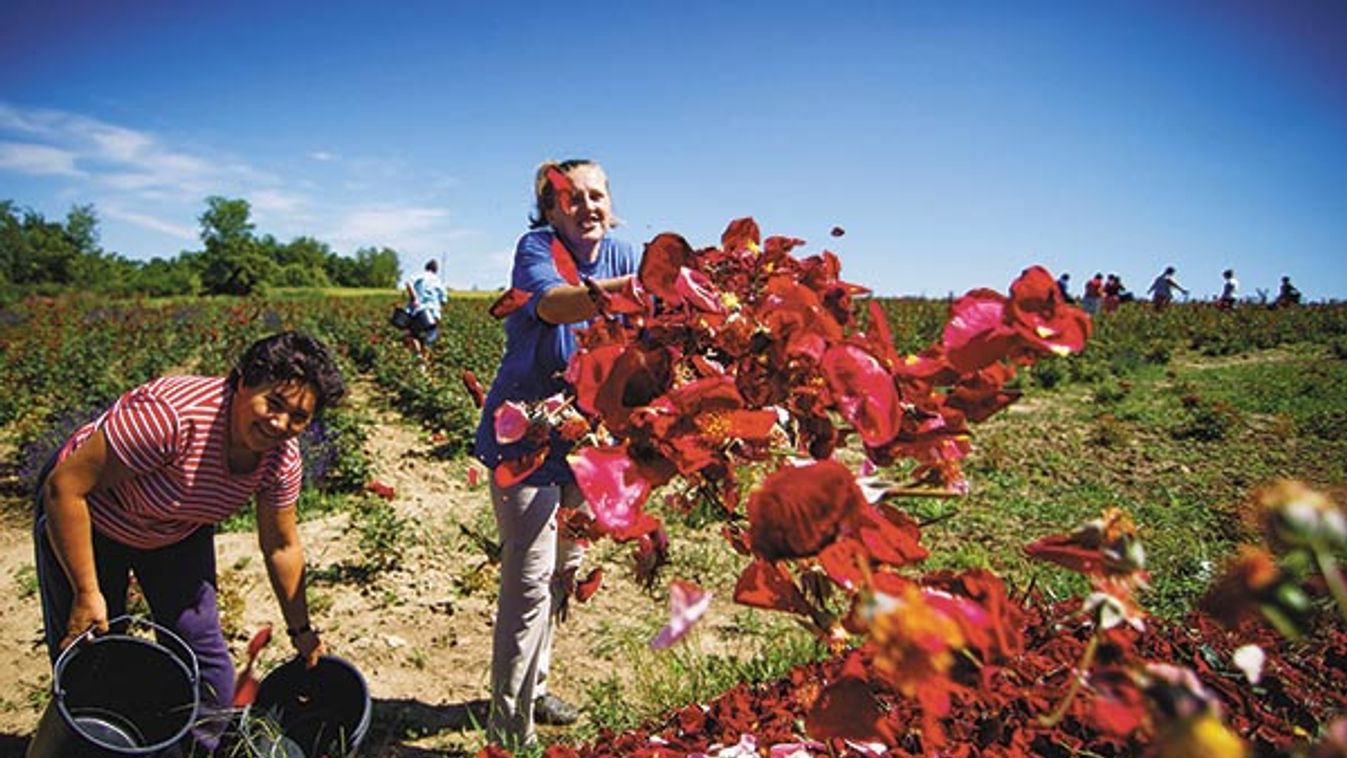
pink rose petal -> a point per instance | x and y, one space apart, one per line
687 604
512 422
697 289
613 486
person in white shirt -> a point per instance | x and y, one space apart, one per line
425 298
1228 289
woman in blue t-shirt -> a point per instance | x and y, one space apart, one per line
573 208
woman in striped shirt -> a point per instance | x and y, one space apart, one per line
141 488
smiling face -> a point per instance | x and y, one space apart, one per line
263 417
586 215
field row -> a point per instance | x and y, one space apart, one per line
62 360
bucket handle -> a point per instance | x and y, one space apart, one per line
187 656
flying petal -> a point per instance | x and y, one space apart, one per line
511 422
687 604
612 484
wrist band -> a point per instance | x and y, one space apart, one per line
594 290
294 632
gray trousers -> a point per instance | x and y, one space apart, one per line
536 564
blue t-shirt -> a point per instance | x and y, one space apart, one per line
536 352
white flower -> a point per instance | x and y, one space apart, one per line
1250 660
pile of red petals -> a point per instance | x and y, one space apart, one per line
997 713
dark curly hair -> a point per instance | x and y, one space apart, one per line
290 356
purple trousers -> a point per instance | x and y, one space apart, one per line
179 584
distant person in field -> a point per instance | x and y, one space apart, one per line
1287 295
1162 289
1113 290
1064 287
1093 294
568 242
1229 290
425 299
141 488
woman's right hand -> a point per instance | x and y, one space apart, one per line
89 609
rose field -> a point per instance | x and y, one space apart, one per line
822 523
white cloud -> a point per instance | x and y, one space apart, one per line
29 158
143 180
113 143
151 223
276 201
485 270
406 229
28 121
130 181
115 157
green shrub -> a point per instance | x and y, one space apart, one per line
1048 373
1107 431
1331 425
1206 421
1111 392
383 533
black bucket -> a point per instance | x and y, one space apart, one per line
118 695
307 713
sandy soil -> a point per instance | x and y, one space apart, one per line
420 632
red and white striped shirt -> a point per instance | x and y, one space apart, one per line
172 433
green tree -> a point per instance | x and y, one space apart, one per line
81 226
233 262
225 222
304 251
380 267
38 252
51 253
161 278
371 268
92 268
303 263
14 250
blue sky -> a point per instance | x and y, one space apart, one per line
956 142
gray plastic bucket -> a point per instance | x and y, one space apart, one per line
119 695
307 713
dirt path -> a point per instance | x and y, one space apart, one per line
420 631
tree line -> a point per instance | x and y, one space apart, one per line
42 256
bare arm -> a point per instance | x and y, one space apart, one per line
278 536
569 303
65 496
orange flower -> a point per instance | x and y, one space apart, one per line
696 424
1204 735
1242 587
914 642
